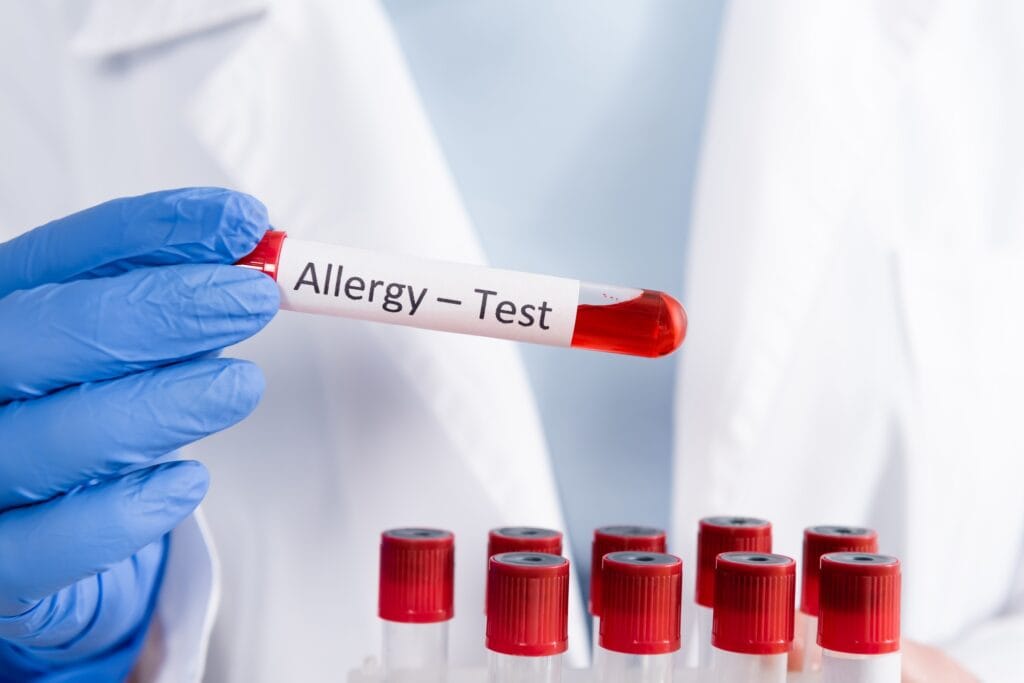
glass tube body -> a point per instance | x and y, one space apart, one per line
735 667
839 667
415 652
618 667
705 617
812 651
503 668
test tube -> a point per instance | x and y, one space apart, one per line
415 602
716 535
527 617
523 539
611 539
753 617
641 607
859 618
818 541
329 279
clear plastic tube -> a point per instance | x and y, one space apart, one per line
415 602
839 667
329 279
527 617
734 667
859 618
618 667
705 618
502 668
415 652
818 541
812 651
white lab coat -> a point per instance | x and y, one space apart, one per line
854 285
860 181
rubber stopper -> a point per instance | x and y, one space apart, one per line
821 540
754 595
417 575
613 539
859 603
641 602
528 604
717 535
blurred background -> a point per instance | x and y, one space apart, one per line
573 130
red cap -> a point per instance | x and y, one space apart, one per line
528 604
820 540
754 595
859 605
641 602
266 255
417 575
614 539
523 539
717 535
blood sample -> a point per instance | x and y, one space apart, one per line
354 283
753 617
415 602
718 535
611 539
641 322
527 617
641 605
818 541
859 618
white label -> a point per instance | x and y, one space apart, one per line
454 297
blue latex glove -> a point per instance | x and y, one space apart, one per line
108 319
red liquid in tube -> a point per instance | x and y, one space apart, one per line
651 325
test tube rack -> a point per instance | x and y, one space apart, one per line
371 672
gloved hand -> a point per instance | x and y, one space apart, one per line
108 321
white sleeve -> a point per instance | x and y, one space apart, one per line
992 651
176 645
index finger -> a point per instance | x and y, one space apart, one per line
190 225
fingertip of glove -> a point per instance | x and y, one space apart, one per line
262 297
267 296
233 222
240 291
179 485
245 220
242 383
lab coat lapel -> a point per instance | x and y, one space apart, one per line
112 27
796 103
